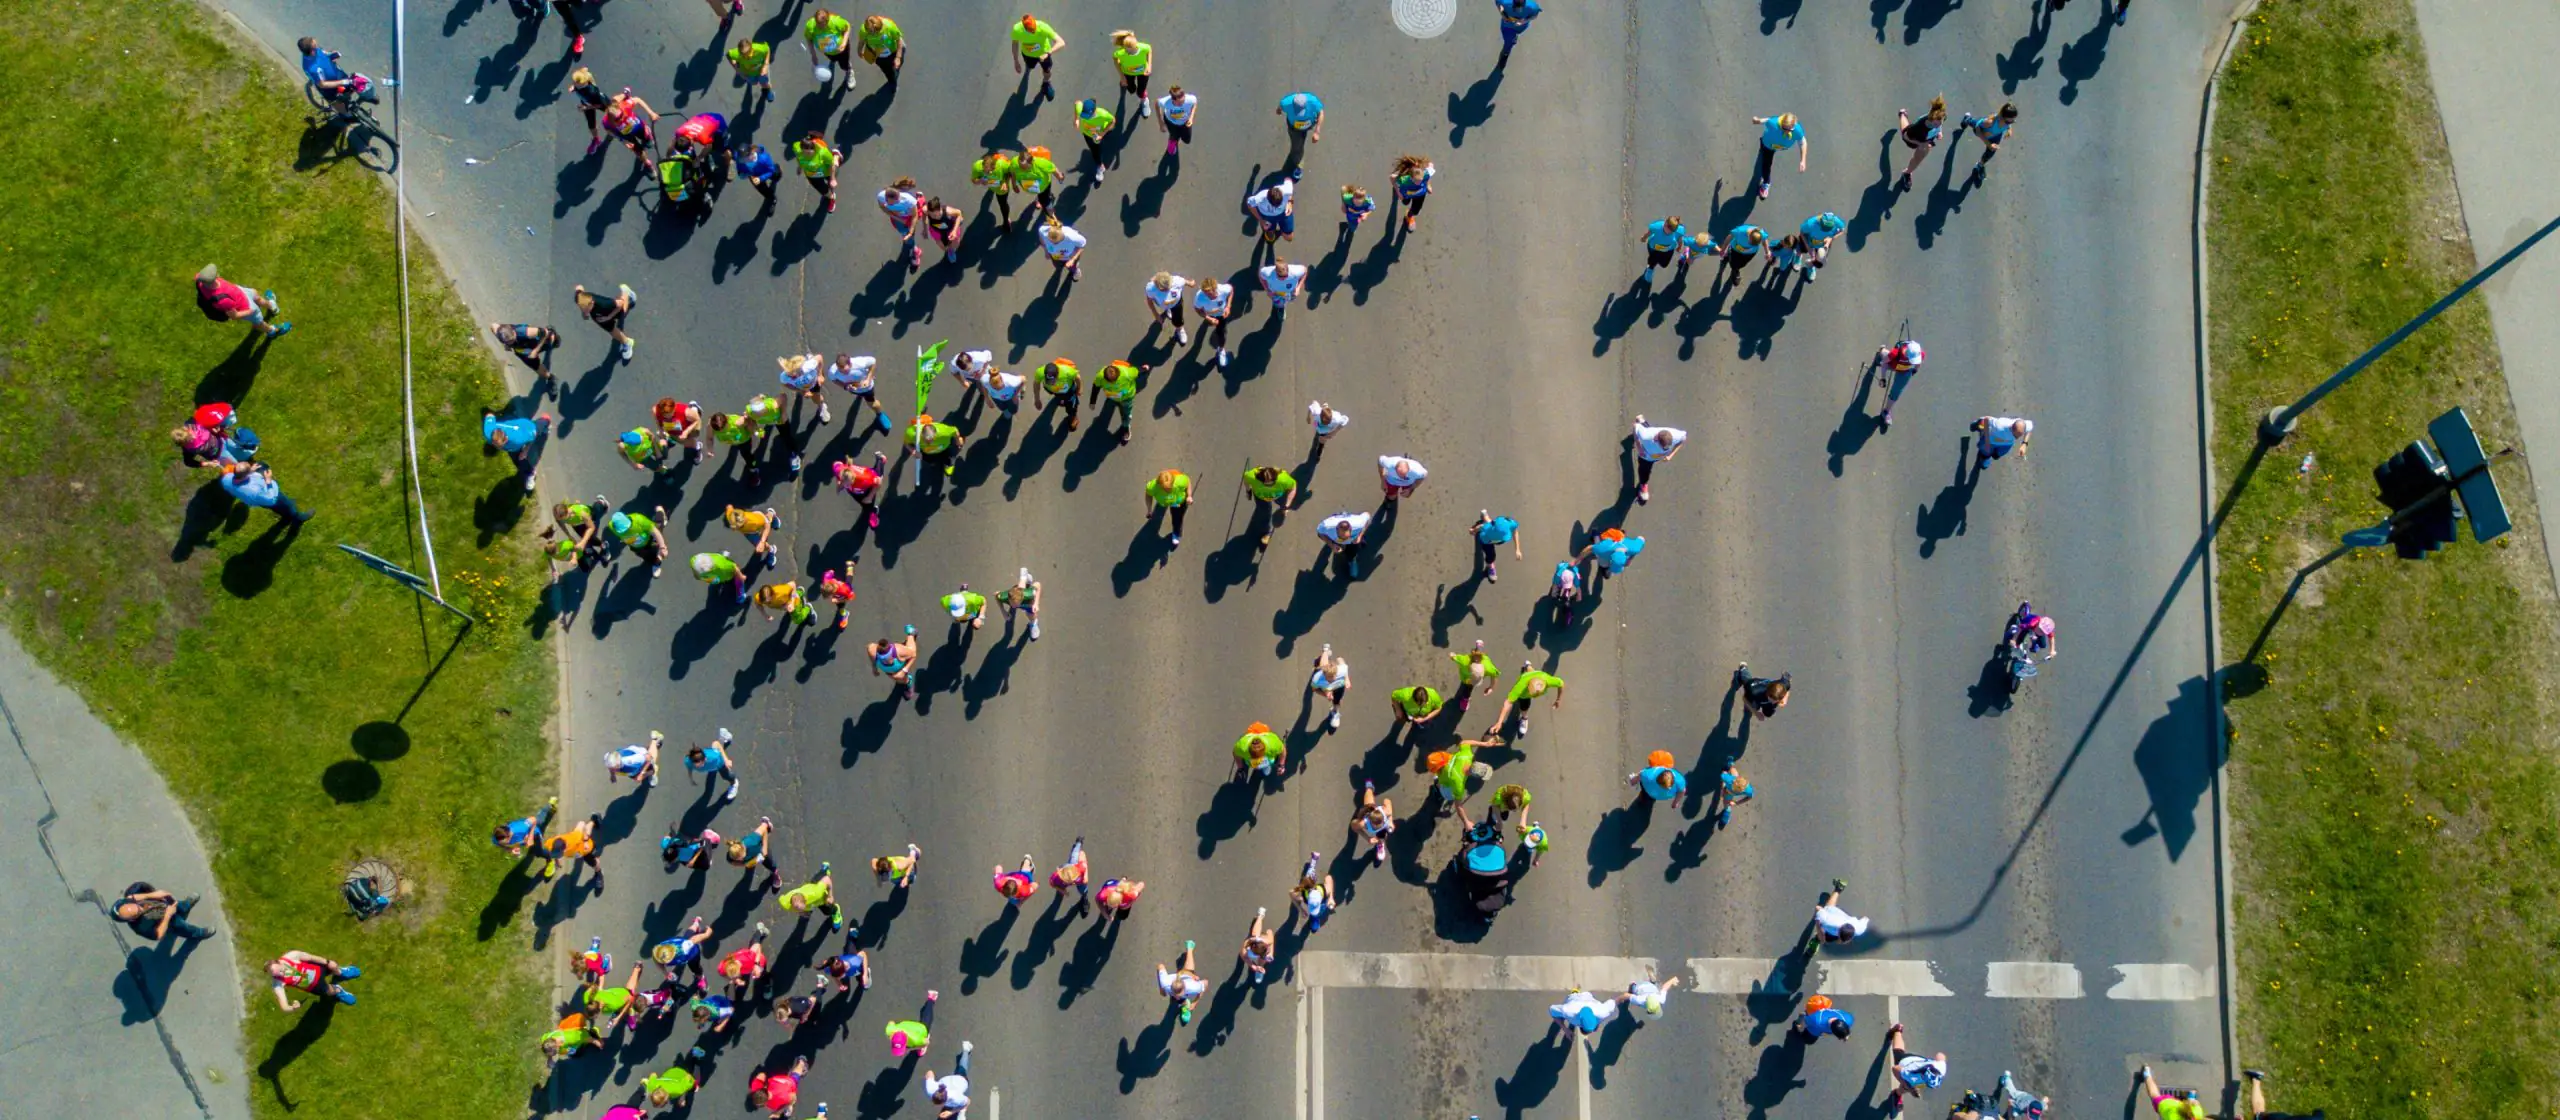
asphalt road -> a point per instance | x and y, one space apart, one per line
1502 345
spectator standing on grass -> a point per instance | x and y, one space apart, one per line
223 301
255 484
154 913
516 436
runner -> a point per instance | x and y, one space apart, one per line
1314 897
1035 43
760 171
757 527
994 171
712 763
1818 232
1731 789
1341 534
1582 1013
591 103
579 844
1515 16
849 969
1777 134
683 951
564 1041
1136 62
1182 985
1913 1073
307 972
1303 114
744 968
1023 596
970 368
1169 493
1647 998
1744 243
1094 122
914 1036
1017 884
1398 476
829 39
1531 684
1454 768
568 17
1259 753
853 375
950 1095
1653 445
636 762
1282 282
1116 387
674 1085
531 345
1059 381
818 894
1821 1019
966 606
1117 897
1326 422
1509 801
1074 874
1491 533
1163 295
622 120
1921 136
1614 549
1258 951
1412 179
1786 255
716 568
1903 359
800 374
726 9
713 1011
1660 779
1476 669
936 441
1273 491
1415 704
1997 436
1276 208
693 853
1375 822
884 46
1215 300
754 849
1036 174
1831 924
904 203
788 598
1666 241
641 536
818 164
1065 247
1179 110
705 136
609 315
776 1092
1332 678
897 871
579 526
753 63
1992 129
517 437
1762 696
895 659
945 223
679 422
612 1008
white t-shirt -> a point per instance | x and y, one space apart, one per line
2012 423
1180 985
1178 112
1343 528
802 372
1577 1003
628 760
1920 1072
1004 386
1283 281
951 1091
1164 298
1836 921
1650 1000
854 375
900 203
1261 200
1066 244
1400 471
1339 675
969 363
1657 444
1315 414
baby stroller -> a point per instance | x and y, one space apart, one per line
1485 864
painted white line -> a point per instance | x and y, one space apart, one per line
2160 982
1731 976
1315 1050
2033 980
995 1105
1893 1009
1879 978
1303 1088
1468 972
1582 1075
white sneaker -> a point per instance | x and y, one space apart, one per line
966 1046
824 416
1222 359
1099 174
1181 336
732 795
1144 107
626 351
1035 629
1333 722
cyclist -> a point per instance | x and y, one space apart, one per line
1059 380
1998 436
895 658
1476 669
1777 134
1921 136
1169 493
1182 985
1903 359
853 375
1116 387
1273 491
1376 822
1412 180
1653 445
1023 596
1332 680
1259 752
864 484
1532 683
1258 950
2032 631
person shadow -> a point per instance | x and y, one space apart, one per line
291 1045
1944 200
983 956
1473 110
1146 1055
1876 204
2025 59
1858 423
1084 969
1534 1079
1945 518
1043 941
2081 58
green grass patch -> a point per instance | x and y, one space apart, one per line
2393 789
289 695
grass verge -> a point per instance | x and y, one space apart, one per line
306 710
2393 791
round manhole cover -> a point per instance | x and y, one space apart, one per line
1425 19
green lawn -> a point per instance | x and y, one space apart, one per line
2393 787
288 694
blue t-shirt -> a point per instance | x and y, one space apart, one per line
1822 226
852 964
1819 1022
720 1007
713 761
1651 779
1518 11
1739 241
758 164
1301 109
319 67
1498 530
1779 139
685 950
1616 553
1663 238
519 833
520 431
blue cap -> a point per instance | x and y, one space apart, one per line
620 523
633 438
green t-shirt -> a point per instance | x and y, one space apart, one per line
937 437
763 410
735 431
1453 777
578 516
675 1083
570 1038
828 37
815 158
1034 173
916 1033
609 1001
1170 496
1134 60
970 604
648 447
886 42
752 59
1036 40
1478 667
1416 701
1060 376
1512 798
711 567
1018 597
1272 747
1533 836
992 172
805 897
1533 682
1097 125
1119 381
1279 486
641 530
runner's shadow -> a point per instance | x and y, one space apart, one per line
2176 772
983 956
1043 940
1990 688
878 917
1043 439
1880 14
1473 110
2025 59
1778 1074
1773 12
994 676
1540 1070
1219 1023
1238 561
1006 133
868 735
1613 841
863 121
766 663
1314 592
2082 57
1152 1050
1372 269
1876 204
1149 549
1618 314
1148 200
1233 807
944 670
799 239
1923 15
1857 423
1760 311
1093 951
1944 201
1452 605
608 211
1946 518
731 254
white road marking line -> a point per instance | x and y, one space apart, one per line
1893 1009
1303 1088
1315 1050
1582 1074
1879 978
2160 982
995 1105
1469 972
2032 980
1730 976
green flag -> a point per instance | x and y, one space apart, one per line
928 366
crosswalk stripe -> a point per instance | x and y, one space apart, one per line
2160 982
1878 978
2032 980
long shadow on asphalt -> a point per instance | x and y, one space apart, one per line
1235 805
1857 422
1945 518
1084 969
766 664
1317 589
1540 1070
1041 439
1944 200
799 239
863 121
1774 12
995 673
2025 59
1876 204
732 253
1613 840
1146 1055
1019 111
886 1093
944 670
1760 310
983 956
1780 1072
1037 322
1237 561
1149 549
1473 110
1043 941
581 399
1924 15
701 632
1218 1023
1148 200
2082 57
877 919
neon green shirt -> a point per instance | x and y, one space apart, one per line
570 1038
1059 376
1272 748
1037 40
1279 487
762 411
1098 125
1533 683
641 530
1034 173
578 516
1134 60
806 897
970 604
816 159
1477 667
751 60
711 567
677 1083
1170 496
1453 777
917 1035
1119 381
886 42
1417 701
937 437
736 430
993 172
651 443
609 1001
828 37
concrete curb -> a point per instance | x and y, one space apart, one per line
2223 933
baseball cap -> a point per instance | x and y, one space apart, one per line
619 523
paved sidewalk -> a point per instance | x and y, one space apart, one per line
2495 86
103 1022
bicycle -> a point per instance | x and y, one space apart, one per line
350 115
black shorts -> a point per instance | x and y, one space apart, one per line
1656 258
1181 133
1738 259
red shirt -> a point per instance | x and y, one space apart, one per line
861 480
223 295
781 1090
306 974
745 962
1015 884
